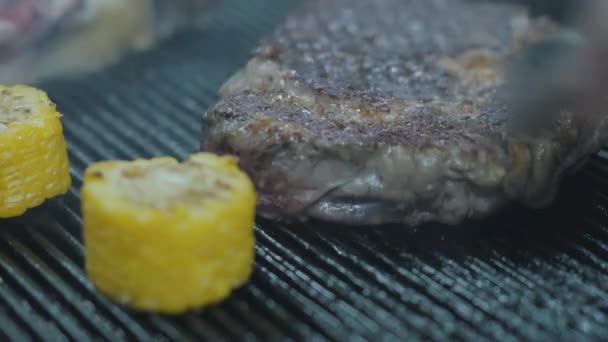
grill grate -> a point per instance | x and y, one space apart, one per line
523 275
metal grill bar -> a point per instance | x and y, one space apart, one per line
75 275
11 330
28 310
349 285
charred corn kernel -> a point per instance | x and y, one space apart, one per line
34 162
168 237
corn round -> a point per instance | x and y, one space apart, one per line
168 237
34 163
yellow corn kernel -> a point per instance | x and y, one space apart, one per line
168 237
34 162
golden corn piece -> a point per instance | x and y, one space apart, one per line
168 237
34 162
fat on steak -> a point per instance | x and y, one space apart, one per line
391 111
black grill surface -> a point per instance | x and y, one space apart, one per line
520 276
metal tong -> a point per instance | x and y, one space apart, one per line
565 71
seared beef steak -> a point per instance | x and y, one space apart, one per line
369 112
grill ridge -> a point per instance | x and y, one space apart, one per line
337 275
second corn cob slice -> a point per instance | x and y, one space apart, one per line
34 162
168 237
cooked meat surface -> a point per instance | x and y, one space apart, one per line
392 111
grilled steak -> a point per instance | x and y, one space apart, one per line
370 112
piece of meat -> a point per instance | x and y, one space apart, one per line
40 39
392 111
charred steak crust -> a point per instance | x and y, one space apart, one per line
369 112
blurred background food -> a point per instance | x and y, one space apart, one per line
40 39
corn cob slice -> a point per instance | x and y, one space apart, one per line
34 162
168 237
